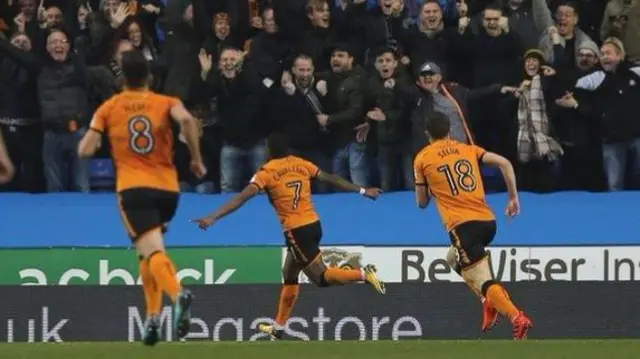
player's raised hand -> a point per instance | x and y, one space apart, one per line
513 207
204 222
372 193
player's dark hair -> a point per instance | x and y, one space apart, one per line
135 69
278 145
438 125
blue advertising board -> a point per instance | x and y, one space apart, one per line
572 218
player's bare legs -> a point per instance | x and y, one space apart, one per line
322 276
479 274
151 246
288 297
490 314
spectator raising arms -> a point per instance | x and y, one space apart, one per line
63 80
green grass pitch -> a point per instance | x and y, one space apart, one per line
485 349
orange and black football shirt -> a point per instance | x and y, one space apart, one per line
451 171
140 130
287 182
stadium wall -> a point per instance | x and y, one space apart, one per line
560 219
56 249
74 239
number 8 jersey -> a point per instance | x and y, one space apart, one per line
287 182
451 172
139 127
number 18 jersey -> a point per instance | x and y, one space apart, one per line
451 172
287 182
140 131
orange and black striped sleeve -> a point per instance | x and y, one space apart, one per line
99 120
479 152
260 179
314 170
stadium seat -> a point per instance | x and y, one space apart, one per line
102 175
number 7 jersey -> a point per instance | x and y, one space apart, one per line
451 172
140 131
287 182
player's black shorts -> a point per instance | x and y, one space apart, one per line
303 243
470 239
143 209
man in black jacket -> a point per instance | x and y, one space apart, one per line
343 102
239 95
617 90
390 118
578 127
63 83
295 107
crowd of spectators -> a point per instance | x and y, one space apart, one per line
552 85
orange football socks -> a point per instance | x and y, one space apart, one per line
288 298
499 298
164 274
152 294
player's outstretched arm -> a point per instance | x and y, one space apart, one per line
231 206
422 196
189 129
6 166
495 160
89 144
345 185
509 175
421 186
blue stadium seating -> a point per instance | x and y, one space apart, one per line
102 175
